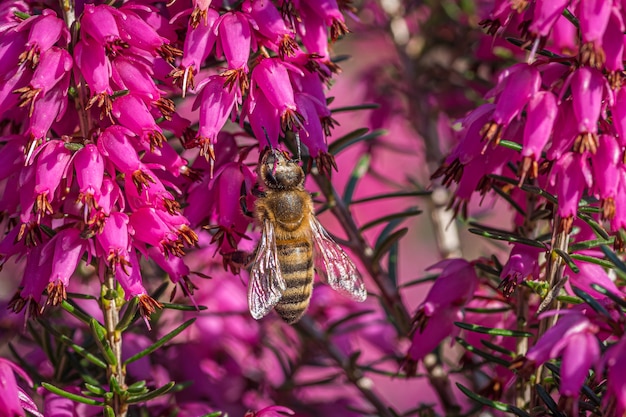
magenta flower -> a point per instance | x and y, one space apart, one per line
573 338
199 43
571 175
235 40
13 400
516 85
593 16
540 115
435 317
272 78
614 362
523 264
545 16
272 26
69 247
588 87
607 167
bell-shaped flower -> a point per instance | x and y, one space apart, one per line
613 45
52 164
131 281
606 166
158 228
89 167
135 76
152 194
314 33
589 274
99 22
329 12
13 400
618 110
271 411
570 176
114 241
69 247
588 86
137 33
565 36
15 80
234 42
272 77
593 16
48 109
131 112
95 68
540 116
264 119
35 280
54 65
614 362
564 132
199 42
516 85
435 317
216 104
11 47
546 13
200 11
523 264
271 25
573 338
46 30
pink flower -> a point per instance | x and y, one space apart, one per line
271 411
13 400
435 317
614 361
573 337
523 264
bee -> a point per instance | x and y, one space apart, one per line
293 244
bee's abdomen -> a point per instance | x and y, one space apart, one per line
296 265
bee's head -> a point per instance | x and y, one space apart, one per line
278 172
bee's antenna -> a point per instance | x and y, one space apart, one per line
267 137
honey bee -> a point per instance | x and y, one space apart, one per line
293 244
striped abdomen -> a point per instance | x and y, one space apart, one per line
296 264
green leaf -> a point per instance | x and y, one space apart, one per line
129 314
358 172
366 106
491 331
592 260
510 145
383 247
76 311
80 296
100 336
498 348
95 390
590 244
615 260
507 237
137 387
392 195
482 353
133 399
568 260
614 297
427 278
597 228
71 396
491 403
108 411
332 327
548 401
77 348
160 342
353 138
569 16
392 263
183 307
412 211
592 302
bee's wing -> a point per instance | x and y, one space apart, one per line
266 284
334 265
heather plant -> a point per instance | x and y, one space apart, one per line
131 132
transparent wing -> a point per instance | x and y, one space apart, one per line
334 265
266 284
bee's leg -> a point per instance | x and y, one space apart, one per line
242 198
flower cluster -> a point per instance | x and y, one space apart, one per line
551 137
89 172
